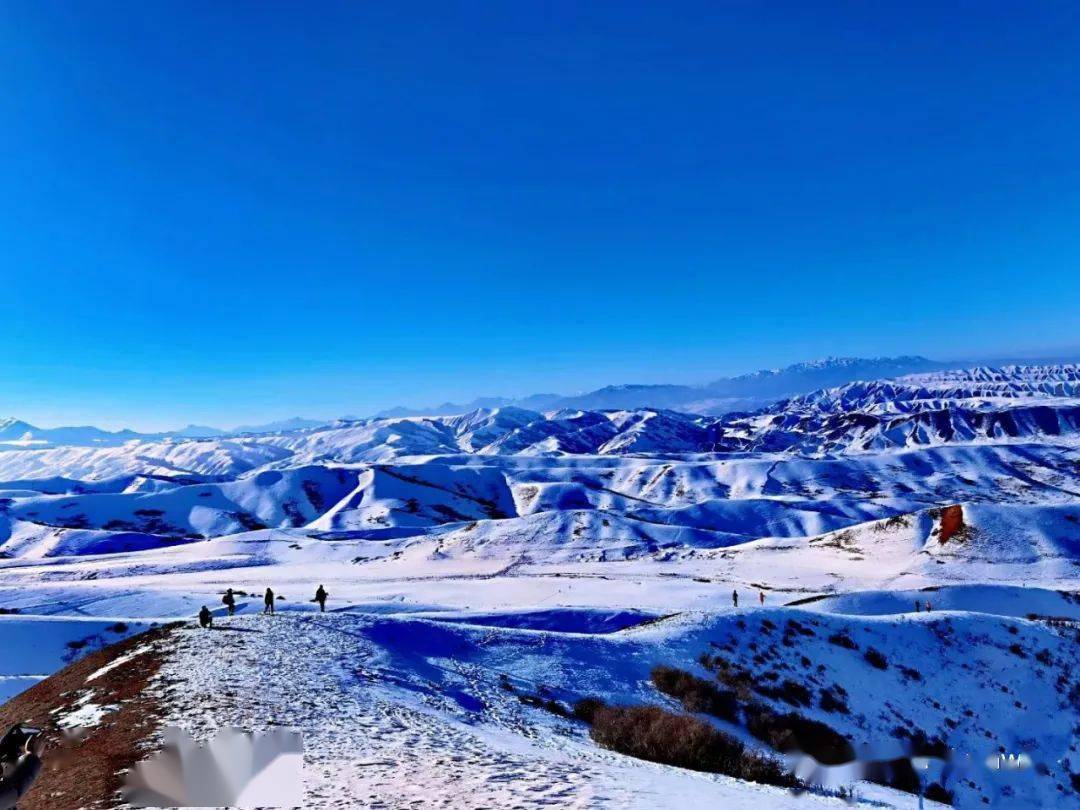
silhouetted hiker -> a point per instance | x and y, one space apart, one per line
917 607
320 597
205 617
735 598
761 595
229 601
268 601
17 776
927 605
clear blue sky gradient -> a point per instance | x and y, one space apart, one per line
225 212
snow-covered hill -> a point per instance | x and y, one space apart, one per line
484 565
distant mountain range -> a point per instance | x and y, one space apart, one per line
742 393
727 395
18 434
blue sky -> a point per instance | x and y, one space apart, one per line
228 212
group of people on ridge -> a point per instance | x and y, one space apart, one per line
919 606
206 618
735 597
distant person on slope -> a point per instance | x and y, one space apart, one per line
17 776
206 618
917 608
735 598
320 597
229 601
761 596
268 602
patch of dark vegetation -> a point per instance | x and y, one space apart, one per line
792 732
74 522
789 691
586 708
1053 621
843 640
491 509
923 745
657 735
293 513
547 704
1017 650
834 700
542 699
314 495
249 523
876 658
910 673
797 627
8 611
119 627
696 694
895 522
117 525
737 678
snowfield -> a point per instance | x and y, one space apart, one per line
483 565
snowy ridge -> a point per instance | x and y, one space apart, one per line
486 565
980 387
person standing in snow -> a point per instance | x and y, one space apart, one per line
229 601
761 596
917 607
206 618
268 602
735 598
320 597
927 605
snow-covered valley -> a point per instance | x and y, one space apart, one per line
480 565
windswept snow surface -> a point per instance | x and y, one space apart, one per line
414 714
529 544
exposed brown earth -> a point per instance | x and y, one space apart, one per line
86 771
952 521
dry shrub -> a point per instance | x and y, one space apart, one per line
789 691
652 733
586 708
876 658
842 639
793 732
738 678
696 694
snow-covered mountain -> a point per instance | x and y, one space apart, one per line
1013 403
811 464
489 569
834 385
1009 405
742 393
982 388
17 433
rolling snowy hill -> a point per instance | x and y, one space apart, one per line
482 565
